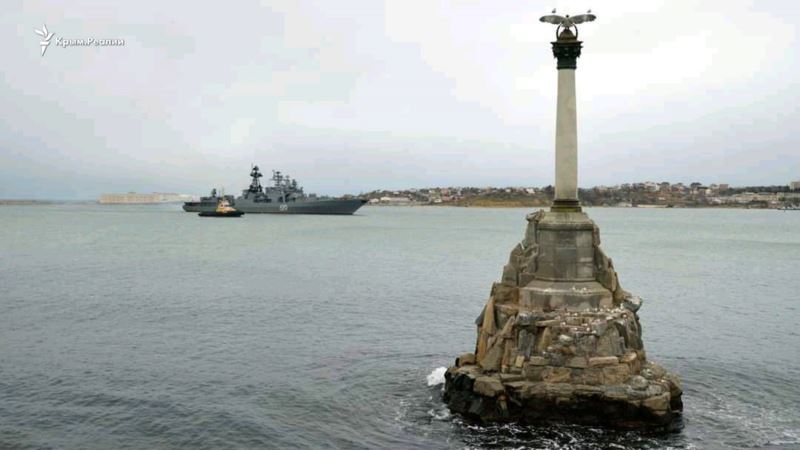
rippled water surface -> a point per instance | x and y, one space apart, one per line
147 327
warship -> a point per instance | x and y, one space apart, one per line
285 196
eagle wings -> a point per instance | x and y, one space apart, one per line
567 21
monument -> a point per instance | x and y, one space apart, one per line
559 340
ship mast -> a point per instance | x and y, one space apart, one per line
255 185
277 178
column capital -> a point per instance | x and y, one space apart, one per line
567 49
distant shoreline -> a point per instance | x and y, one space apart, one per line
491 205
479 204
476 203
6 202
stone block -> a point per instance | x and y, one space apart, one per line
494 356
556 359
526 277
519 361
599 327
563 339
638 382
585 345
489 325
465 359
615 393
583 390
504 293
517 386
533 373
628 357
488 386
658 403
635 365
674 384
655 370
510 275
525 319
509 353
591 376
616 374
603 361
556 375
538 361
577 362
543 340
574 320
506 378
632 303
608 344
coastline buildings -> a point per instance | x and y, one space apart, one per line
137 198
394 201
641 194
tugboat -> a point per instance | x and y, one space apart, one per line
285 196
223 209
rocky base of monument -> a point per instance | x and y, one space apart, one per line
546 394
550 351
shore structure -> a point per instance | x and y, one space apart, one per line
559 340
142 199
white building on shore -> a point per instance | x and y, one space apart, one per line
137 198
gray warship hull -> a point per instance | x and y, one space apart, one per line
335 206
285 196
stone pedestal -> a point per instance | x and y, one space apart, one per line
564 276
560 340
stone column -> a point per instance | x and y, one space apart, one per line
567 49
565 277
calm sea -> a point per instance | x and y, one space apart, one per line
148 327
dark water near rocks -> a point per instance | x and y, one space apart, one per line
147 327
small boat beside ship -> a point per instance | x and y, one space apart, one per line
223 209
285 196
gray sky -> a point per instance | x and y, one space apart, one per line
350 96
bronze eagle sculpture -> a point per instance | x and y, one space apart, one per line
567 21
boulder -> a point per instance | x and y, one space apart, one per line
632 303
638 382
658 403
488 386
493 358
465 359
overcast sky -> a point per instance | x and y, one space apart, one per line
355 95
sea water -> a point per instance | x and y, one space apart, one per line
148 327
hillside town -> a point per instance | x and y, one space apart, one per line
643 195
